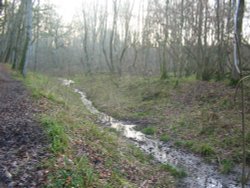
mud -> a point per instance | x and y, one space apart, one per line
200 174
23 143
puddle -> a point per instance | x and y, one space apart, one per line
200 174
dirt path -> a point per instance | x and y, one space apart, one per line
22 141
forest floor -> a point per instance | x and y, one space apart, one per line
81 152
48 138
23 143
200 117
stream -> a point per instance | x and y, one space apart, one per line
199 173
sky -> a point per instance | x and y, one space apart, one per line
69 8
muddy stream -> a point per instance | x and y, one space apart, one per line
199 173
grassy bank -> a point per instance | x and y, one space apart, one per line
84 154
199 116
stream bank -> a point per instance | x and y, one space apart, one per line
199 173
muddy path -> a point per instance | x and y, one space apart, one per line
199 173
22 141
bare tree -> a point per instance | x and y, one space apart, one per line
104 27
239 14
200 8
1 6
238 20
112 35
85 40
27 46
38 26
125 40
171 37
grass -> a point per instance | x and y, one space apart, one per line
248 137
203 121
78 174
178 173
204 149
56 132
85 154
164 138
226 166
43 87
194 114
149 131
136 152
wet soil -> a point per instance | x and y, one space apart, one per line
22 141
200 174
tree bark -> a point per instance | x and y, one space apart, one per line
27 46
238 20
199 43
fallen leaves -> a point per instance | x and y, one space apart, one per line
22 141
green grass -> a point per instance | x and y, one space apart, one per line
178 143
164 138
226 166
56 132
194 114
248 137
76 142
136 152
43 87
121 96
204 149
77 174
178 173
149 130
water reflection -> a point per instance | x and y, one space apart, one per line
200 174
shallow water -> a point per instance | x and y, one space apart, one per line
200 174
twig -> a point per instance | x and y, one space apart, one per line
238 85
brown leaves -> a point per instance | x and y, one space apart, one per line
22 141
68 181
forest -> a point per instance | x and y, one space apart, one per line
125 93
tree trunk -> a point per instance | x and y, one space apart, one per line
238 19
200 68
111 41
37 40
85 42
27 46
163 67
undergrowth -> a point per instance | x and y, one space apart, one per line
56 132
85 154
194 114
179 173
